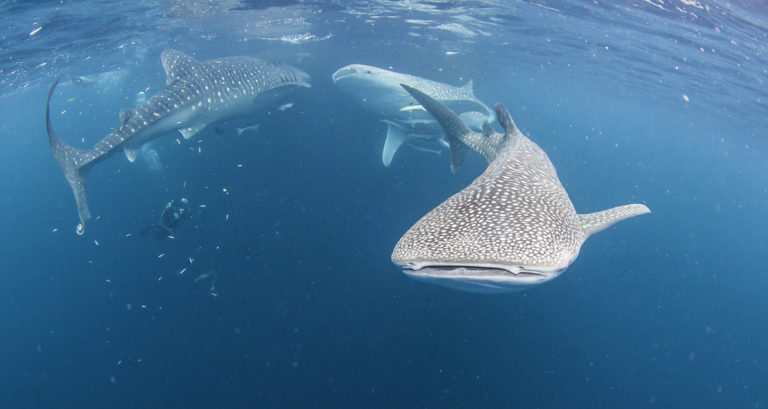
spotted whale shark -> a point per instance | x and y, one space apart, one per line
407 122
512 228
196 94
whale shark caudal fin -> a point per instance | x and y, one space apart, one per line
455 129
395 139
70 160
460 137
592 223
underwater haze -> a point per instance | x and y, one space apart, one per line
278 291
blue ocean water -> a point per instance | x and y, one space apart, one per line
288 297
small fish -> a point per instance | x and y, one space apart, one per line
161 255
251 128
183 270
287 105
202 277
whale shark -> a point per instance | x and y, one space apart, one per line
407 122
196 94
512 228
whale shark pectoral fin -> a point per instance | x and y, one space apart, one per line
130 153
592 223
177 65
191 131
395 138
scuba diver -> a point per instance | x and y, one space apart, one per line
172 215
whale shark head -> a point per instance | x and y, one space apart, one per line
357 74
512 228
377 88
380 90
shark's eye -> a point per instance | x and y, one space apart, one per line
367 71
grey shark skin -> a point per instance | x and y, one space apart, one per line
196 94
512 228
407 121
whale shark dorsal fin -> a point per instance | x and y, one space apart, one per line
191 131
125 115
505 119
395 138
177 65
592 223
469 87
487 130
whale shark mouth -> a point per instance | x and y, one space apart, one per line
342 73
347 72
480 279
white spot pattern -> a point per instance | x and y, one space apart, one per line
212 86
516 213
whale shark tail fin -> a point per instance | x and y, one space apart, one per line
71 161
455 129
